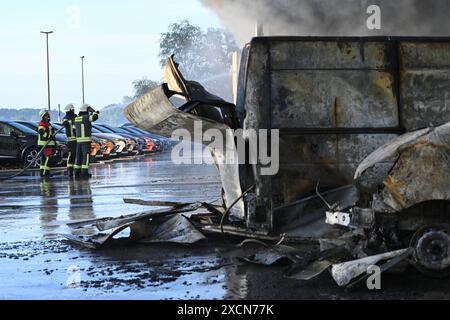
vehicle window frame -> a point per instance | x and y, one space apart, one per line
24 130
30 125
5 125
2 129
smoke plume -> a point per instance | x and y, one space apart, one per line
332 17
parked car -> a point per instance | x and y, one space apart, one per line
165 144
132 145
61 138
119 143
102 147
106 148
145 145
153 144
18 143
96 150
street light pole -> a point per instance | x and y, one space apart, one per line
48 69
82 76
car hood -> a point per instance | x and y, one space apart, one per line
108 136
439 136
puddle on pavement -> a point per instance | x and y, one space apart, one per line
36 263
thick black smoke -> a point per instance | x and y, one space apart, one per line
333 17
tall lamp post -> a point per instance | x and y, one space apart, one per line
48 69
82 77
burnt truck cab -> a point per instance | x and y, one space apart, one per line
333 101
367 117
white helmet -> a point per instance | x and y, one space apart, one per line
84 107
42 113
69 107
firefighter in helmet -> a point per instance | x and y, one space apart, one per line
46 140
69 125
83 128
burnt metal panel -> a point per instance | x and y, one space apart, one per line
345 54
155 112
330 158
310 209
258 116
421 174
334 99
332 148
354 148
425 84
344 91
422 170
425 55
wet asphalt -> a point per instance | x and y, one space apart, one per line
36 262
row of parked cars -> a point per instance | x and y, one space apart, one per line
18 142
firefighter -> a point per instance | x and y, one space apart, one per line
69 125
47 140
83 128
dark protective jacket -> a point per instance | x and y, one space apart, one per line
83 126
69 125
45 131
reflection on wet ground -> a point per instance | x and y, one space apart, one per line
25 199
36 263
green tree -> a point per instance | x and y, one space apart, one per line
142 86
202 56
183 40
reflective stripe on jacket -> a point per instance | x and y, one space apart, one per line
83 126
69 125
45 131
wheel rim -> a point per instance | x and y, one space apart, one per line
32 155
432 250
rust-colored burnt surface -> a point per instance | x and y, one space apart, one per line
333 84
334 102
421 174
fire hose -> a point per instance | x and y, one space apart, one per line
34 159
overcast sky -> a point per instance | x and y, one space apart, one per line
119 39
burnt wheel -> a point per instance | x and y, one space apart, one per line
432 250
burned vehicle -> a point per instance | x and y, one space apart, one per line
409 205
363 138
